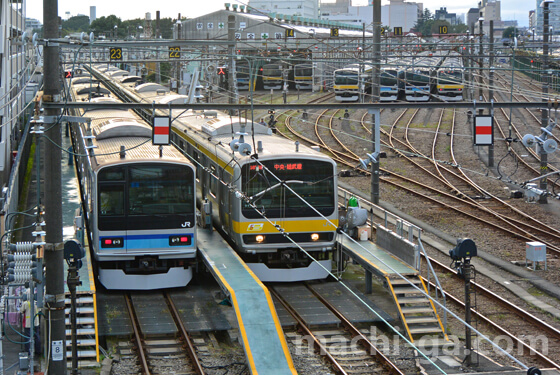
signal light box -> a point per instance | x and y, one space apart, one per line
483 130
161 131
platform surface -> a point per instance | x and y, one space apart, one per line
263 340
375 259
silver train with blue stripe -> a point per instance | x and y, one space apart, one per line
139 202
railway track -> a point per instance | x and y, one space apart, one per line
535 340
161 349
338 346
464 189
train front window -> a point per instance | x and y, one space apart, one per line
160 190
111 199
311 180
272 71
303 71
418 79
389 78
450 78
345 78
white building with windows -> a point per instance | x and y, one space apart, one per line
17 65
553 17
398 13
300 8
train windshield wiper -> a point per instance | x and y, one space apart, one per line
275 186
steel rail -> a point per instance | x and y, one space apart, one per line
191 351
514 223
136 329
355 332
317 343
505 303
541 356
528 149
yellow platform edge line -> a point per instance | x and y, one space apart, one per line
435 310
400 310
275 318
279 329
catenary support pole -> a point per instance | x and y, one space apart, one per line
491 87
54 280
546 80
375 134
231 51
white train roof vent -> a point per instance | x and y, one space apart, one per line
121 128
150 87
173 99
221 126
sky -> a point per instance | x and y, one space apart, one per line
127 9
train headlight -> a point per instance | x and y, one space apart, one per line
259 238
112 242
181 240
314 236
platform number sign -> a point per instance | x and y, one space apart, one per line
57 354
334 32
382 31
115 53
397 31
443 29
174 52
290 33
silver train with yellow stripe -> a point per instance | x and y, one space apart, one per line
138 201
293 187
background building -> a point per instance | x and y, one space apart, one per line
398 13
443 15
300 8
92 13
553 17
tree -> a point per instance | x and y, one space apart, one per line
75 24
107 25
424 24
460 28
510 32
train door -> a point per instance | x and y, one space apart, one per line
225 208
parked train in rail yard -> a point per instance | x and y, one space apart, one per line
139 203
416 78
283 186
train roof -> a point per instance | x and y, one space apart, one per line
114 128
108 151
150 86
121 127
216 130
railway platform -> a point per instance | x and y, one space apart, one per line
262 337
417 313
